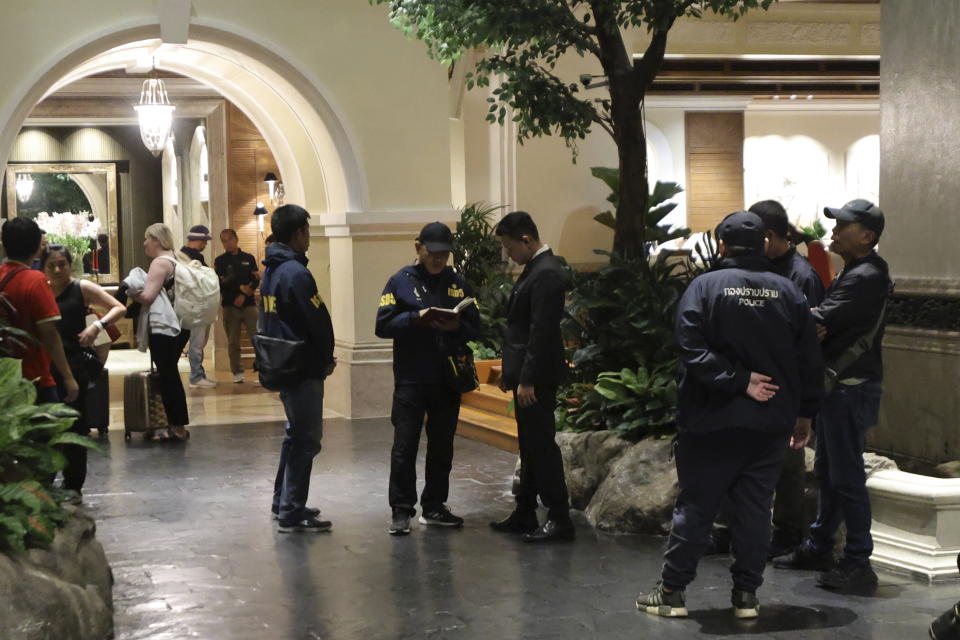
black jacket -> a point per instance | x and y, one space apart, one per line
798 270
850 310
292 308
420 353
736 319
234 271
194 254
532 346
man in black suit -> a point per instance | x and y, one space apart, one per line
533 368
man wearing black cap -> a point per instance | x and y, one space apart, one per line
422 346
197 241
850 323
750 380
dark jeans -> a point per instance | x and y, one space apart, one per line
301 443
165 352
541 465
411 403
842 424
739 467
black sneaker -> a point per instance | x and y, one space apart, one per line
440 517
662 603
783 544
400 524
307 525
745 604
848 575
947 626
310 511
806 557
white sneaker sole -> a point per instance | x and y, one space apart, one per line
665 611
399 532
746 614
438 523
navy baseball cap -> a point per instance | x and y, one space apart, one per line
859 210
436 237
199 232
742 229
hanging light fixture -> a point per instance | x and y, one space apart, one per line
155 114
24 186
260 212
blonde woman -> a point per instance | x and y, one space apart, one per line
166 341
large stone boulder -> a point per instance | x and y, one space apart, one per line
587 458
637 495
64 592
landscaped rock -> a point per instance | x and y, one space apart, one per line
587 458
64 592
637 495
948 469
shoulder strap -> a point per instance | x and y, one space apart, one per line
7 278
859 347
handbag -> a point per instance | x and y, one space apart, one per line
462 372
832 371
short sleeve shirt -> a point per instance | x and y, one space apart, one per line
29 292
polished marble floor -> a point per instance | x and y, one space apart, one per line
195 555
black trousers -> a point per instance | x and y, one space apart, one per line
541 464
75 471
411 403
165 351
741 466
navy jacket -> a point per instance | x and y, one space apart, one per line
420 353
798 270
292 308
736 319
532 345
850 310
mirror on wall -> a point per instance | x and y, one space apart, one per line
77 205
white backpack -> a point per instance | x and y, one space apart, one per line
196 299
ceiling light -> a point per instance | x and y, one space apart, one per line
24 186
155 114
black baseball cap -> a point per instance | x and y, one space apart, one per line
436 237
859 210
742 229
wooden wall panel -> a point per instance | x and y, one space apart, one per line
714 150
249 160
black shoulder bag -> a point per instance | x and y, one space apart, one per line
832 371
281 362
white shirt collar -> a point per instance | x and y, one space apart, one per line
542 249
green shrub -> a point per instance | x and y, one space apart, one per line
29 435
633 402
478 256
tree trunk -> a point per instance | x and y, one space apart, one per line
630 231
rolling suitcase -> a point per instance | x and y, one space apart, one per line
98 403
142 406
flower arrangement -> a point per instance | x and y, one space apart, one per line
72 230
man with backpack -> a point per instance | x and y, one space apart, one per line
296 319
28 304
238 279
196 243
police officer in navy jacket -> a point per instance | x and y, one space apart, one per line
750 381
422 375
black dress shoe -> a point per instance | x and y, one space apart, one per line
552 530
517 522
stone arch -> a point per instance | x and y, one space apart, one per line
310 141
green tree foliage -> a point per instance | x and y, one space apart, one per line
524 41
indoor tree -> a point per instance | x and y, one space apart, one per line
525 39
